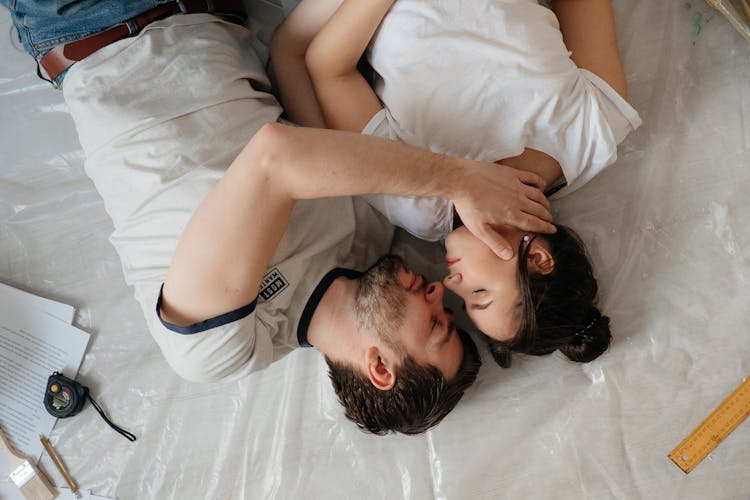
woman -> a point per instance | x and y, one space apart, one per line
491 80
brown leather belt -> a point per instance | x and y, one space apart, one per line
63 56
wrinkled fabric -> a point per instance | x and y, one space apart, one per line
669 240
512 85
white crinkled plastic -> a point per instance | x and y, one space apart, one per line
667 230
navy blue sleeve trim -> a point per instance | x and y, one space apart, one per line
202 326
312 303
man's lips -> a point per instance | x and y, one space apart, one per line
451 260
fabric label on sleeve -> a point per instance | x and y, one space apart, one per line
273 283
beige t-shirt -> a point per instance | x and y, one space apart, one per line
161 116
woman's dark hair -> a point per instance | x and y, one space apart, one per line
558 310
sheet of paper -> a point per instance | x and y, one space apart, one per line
33 344
66 494
8 491
18 299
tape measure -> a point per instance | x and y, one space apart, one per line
64 397
712 431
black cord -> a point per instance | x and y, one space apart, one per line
129 436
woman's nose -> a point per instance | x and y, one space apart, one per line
452 280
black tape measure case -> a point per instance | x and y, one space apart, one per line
64 397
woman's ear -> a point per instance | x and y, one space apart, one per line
539 258
379 369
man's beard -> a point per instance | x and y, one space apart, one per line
380 300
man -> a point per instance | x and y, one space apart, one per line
279 253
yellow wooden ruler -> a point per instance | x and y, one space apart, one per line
704 438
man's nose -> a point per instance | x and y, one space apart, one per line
433 293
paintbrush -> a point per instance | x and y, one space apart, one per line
33 484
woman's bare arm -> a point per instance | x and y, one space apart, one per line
588 28
287 63
345 96
542 164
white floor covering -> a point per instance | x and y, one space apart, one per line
667 228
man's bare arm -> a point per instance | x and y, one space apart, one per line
226 246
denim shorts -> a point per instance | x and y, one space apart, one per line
43 24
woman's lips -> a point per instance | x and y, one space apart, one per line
451 260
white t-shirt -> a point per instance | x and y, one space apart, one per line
161 116
429 219
484 79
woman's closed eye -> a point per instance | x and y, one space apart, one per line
480 301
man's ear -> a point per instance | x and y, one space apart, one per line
380 370
539 259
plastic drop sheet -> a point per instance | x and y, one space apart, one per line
667 228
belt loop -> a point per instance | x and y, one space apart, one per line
210 6
41 75
183 7
132 26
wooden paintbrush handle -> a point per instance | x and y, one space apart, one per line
36 486
14 458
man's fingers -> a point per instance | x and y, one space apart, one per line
497 243
537 196
531 179
534 224
537 210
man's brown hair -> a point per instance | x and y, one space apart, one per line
420 398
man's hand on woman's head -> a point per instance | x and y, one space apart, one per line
496 195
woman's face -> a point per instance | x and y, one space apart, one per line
487 284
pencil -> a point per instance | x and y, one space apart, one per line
59 464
